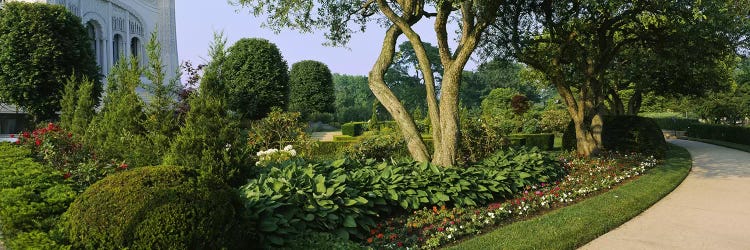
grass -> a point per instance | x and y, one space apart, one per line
576 225
736 146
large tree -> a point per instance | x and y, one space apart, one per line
575 44
684 57
41 45
311 88
353 98
339 17
256 78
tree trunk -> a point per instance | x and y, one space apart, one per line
445 155
634 104
586 112
588 135
617 106
413 139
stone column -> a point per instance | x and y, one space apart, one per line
168 36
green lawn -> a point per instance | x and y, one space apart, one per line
576 225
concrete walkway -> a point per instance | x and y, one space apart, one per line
709 210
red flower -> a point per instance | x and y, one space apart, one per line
379 236
393 236
400 244
18 142
50 126
25 134
66 175
12 136
37 142
369 240
440 229
123 166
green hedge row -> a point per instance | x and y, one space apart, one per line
739 135
357 128
344 138
353 128
625 134
541 141
330 148
32 199
673 123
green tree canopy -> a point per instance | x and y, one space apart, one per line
576 44
311 88
343 18
41 45
256 78
353 98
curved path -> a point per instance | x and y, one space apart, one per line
709 210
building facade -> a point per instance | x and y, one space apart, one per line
117 28
120 28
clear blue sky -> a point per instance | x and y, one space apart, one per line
197 21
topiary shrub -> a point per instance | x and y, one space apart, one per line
353 128
625 134
156 207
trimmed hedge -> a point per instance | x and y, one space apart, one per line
541 141
353 128
739 135
625 134
674 123
344 138
32 199
160 207
330 148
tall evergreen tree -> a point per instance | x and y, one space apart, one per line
210 139
161 121
84 109
256 78
311 88
117 132
68 102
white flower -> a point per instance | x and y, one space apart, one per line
288 148
293 152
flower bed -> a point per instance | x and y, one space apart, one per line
431 228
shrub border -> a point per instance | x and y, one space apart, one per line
578 224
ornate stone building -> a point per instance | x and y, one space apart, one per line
122 27
117 28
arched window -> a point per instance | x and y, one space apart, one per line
116 49
92 38
135 47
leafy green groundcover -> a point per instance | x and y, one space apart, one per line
574 226
348 197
